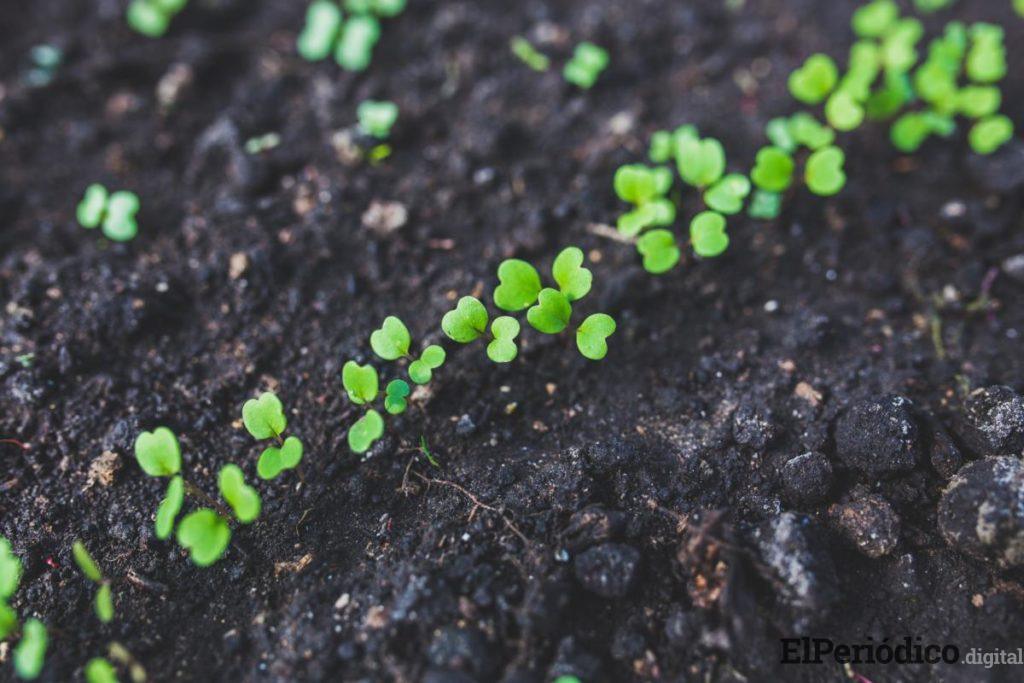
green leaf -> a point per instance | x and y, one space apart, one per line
528 54
809 132
10 570
365 431
551 313
639 184
359 35
169 508
8 620
466 322
394 396
875 18
843 112
205 534
659 250
360 381
976 101
662 148
274 460
898 47
592 335
890 98
587 63
765 205
243 499
90 209
264 417
727 195
323 23
104 604
778 131
773 169
392 340
700 161
30 653
119 223
990 133
158 452
519 286
813 81
657 212
986 60
99 670
910 131
85 562
422 370
147 18
824 173
707 234
503 349
377 117
573 279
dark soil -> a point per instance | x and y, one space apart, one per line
629 520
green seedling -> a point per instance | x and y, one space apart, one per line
422 369
151 18
986 58
519 285
365 431
113 213
727 195
573 279
205 534
779 134
587 63
701 162
395 395
843 112
503 349
990 133
319 36
264 418
551 313
377 117
592 335
99 670
359 35
243 499
262 143
659 251
528 54
392 340
30 653
707 234
824 173
169 508
360 381
466 322
765 205
663 143
899 46
103 604
807 131
977 101
874 19
773 169
645 188
158 452
812 82
886 101
910 130
351 40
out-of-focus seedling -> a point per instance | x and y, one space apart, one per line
46 59
114 212
152 17
351 40
103 604
30 652
587 63
264 419
377 117
528 54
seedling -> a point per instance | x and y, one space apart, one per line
242 498
587 63
528 54
910 130
701 162
361 384
264 418
394 396
765 205
502 348
205 534
103 603
549 309
807 131
151 18
351 40
551 313
262 143
30 652
365 431
99 670
466 322
645 188
874 19
843 112
359 35
727 195
392 340
824 173
592 335
990 133
986 59
377 118
659 251
320 34
813 81
422 369
707 234
113 213
773 169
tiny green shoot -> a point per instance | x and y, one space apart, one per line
528 54
701 161
99 670
551 313
205 534
377 117
113 213
990 133
707 234
587 63
824 171
422 369
812 82
103 603
592 335
659 250
151 18
395 395
503 349
30 652
360 381
365 431
264 418
243 499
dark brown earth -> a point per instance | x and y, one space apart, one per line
628 520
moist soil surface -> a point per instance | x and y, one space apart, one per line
761 455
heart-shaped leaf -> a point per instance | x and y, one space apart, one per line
10 570
701 162
573 279
264 417
205 534
707 234
659 250
824 173
392 340
323 22
103 605
466 322
99 670
394 396
639 184
976 101
158 452
422 369
365 431
169 507
551 313
813 81
519 286
874 19
773 169
727 195
843 112
376 118
94 203
360 382
30 653
592 335
502 348
359 35
243 499
275 460
119 224
990 133
85 562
